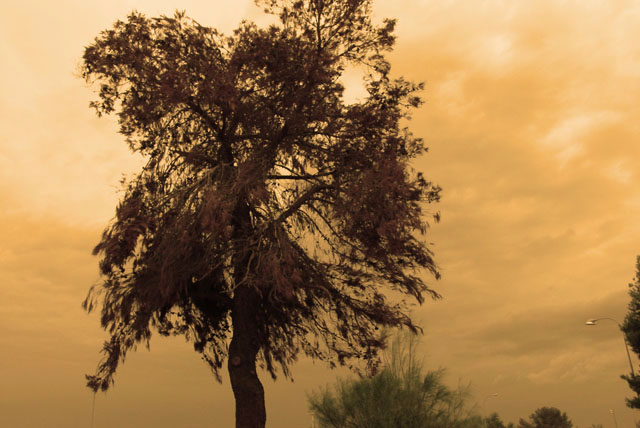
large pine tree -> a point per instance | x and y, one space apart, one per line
271 217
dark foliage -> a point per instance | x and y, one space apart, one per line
494 421
269 211
631 329
546 417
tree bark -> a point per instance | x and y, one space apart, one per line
245 343
244 347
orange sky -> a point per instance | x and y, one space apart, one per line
532 119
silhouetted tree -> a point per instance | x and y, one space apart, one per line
494 421
546 417
400 395
269 211
631 330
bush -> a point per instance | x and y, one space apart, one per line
399 396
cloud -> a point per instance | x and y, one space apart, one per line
573 367
531 119
565 138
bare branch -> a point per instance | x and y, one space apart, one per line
203 115
299 177
307 196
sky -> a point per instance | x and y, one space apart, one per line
532 120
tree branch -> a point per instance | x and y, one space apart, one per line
193 105
308 195
298 177
193 156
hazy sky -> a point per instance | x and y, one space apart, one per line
532 116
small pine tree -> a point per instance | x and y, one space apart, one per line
494 421
631 329
399 395
546 417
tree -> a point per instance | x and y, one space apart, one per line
547 417
631 330
494 421
269 212
399 395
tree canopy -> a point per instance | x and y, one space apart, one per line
547 417
271 218
494 421
631 329
400 395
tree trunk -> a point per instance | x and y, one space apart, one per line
244 347
246 340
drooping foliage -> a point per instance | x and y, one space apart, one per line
260 177
631 329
